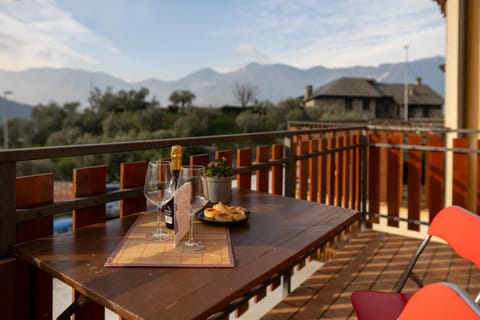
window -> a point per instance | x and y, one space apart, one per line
366 105
348 104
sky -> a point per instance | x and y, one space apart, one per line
167 40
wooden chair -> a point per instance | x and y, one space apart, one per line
440 301
458 227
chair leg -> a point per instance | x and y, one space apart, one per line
411 264
71 309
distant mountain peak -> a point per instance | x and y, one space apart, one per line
275 82
205 72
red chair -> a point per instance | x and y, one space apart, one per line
439 301
459 228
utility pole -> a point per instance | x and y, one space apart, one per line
405 79
5 119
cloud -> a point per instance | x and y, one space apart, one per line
37 33
308 33
301 33
249 50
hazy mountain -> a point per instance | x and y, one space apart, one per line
275 82
15 109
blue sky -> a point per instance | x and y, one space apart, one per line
141 39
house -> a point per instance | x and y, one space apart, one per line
371 99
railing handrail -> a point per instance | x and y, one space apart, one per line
10 215
436 128
26 154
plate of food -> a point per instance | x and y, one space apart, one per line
223 214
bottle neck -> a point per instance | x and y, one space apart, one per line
176 158
176 164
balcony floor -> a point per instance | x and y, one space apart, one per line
372 260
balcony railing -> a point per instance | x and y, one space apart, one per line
396 173
411 172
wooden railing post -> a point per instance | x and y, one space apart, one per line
395 177
200 159
244 158
460 174
322 171
33 287
7 214
313 169
331 169
290 168
227 154
7 239
277 171
374 157
262 155
363 196
339 168
414 179
435 176
132 175
86 182
303 170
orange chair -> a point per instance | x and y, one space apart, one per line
439 301
459 228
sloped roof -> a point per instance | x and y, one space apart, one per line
350 87
442 4
419 94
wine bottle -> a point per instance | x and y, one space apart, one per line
176 164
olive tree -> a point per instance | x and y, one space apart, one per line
182 98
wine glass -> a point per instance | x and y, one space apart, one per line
159 188
195 175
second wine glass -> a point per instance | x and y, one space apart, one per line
159 188
195 175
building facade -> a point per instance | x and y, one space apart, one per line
370 99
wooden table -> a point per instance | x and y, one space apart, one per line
280 231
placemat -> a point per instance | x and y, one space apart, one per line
136 251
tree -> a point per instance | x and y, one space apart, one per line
151 119
194 122
20 133
122 101
244 93
182 98
120 123
286 110
46 119
250 122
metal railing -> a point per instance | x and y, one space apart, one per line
414 171
338 150
10 215
402 175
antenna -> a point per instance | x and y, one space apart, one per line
405 79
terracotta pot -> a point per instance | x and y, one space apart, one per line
219 189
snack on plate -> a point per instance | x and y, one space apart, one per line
209 212
224 213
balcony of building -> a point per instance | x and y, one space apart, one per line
398 177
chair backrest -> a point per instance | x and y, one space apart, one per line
460 228
440 301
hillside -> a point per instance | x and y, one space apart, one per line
275 82
15 109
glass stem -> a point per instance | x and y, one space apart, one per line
190 237
159 228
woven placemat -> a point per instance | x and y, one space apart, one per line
136 251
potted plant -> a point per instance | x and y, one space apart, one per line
219 181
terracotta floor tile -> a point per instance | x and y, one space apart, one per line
371 260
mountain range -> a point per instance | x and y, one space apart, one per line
15 109
274 82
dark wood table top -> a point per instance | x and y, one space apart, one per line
279 231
